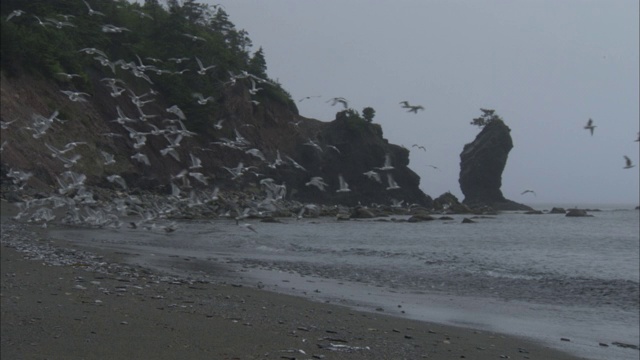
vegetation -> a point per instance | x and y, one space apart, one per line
45 41
368 113
487 117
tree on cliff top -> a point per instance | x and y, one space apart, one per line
488 115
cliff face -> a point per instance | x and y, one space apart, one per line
481 165
273 126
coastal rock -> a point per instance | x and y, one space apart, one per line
420 218
481 165
578 213
467 221
557 210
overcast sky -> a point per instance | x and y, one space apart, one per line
546 67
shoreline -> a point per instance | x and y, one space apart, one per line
129 312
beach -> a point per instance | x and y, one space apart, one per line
72 311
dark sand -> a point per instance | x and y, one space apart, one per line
67 312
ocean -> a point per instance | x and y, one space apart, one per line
570 283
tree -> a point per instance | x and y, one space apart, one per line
368 113
488 115
258 64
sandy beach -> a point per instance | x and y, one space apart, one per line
74 312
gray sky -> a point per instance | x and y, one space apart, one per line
546 67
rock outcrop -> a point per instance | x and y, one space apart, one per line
481 165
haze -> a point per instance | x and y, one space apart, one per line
546 67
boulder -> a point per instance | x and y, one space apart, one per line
557 210
577 213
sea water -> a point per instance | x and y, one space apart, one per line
547 277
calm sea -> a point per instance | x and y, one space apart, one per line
545 277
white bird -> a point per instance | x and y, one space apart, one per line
590 126
93 51
75 95
177 111
140 157
196 163
334 148
194 37
218 125
201 99
142 14
109 159
15 13
373 175
344 187
318 182
178 60
257 153
387 163
91 11
203 69
108 28
628 163
118 180
67 76
295 164
392 183
199 176
313 144
253 89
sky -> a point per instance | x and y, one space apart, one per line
545 67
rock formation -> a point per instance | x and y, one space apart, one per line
481 165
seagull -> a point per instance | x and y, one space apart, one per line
334 148
257 153
419 147
118 180
218 125
344 187
309 97
339 100
91 11
432 166
75 95
142 14
253 89
387 163
109 159
193 37
590 126
93 51
179 60
201 99
196 163
15 13
318 182
628 165
67 76
141 158
373 175
412 108
529 191
203 70
392 183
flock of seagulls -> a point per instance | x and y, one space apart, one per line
627 161
167 127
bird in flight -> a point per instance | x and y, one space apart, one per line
419 147
529 191
339 100
628 163
411 108
308 97
590 126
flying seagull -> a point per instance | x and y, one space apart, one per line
344 187
628 162
529 191
339 100
590 126
419 147
412 108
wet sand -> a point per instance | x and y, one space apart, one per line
74 312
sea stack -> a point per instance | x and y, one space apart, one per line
481 165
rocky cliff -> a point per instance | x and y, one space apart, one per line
481 165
